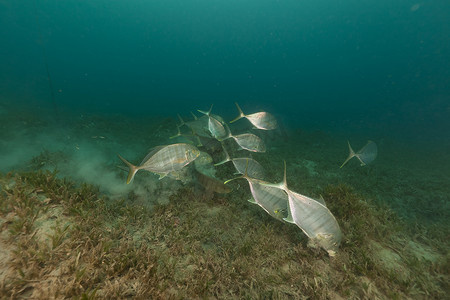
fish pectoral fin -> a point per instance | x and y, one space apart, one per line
252 200
162 175
289 219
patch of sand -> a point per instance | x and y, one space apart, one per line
423 252
389 260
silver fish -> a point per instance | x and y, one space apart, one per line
270 198
249 142
199 126
243 165
311 216
315 220
366 155
261 120
163 160
215 125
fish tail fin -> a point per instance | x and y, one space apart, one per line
350 155
239 177
178 133
241 113
284 177
132 169
208 113
227 156
181 120
195 117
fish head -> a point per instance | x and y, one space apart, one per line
192 153
329 242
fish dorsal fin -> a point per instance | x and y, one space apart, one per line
151 153
350 155
241 113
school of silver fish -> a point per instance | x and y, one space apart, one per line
211 132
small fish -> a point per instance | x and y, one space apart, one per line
220 131
198 127
249 142
163 160
215 125
244 164
261 120
366 155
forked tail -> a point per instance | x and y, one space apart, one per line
243 176
350 155
132 171
241 114
227 156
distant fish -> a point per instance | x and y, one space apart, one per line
261 120
366 155
163 160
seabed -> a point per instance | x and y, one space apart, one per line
72 228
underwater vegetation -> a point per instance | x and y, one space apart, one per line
60 240
63 238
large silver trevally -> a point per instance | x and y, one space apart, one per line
163 160
310 215
261 120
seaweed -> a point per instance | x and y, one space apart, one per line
69 241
